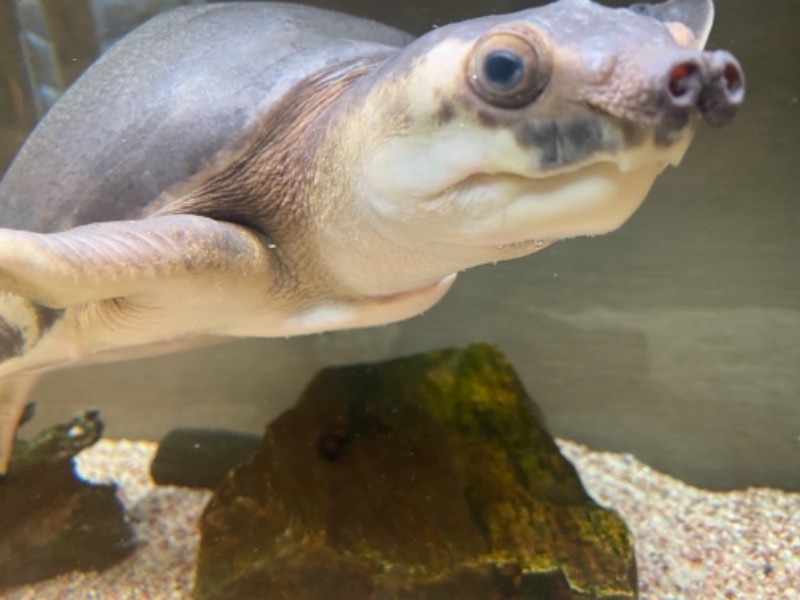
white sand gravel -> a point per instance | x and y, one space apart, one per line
691 544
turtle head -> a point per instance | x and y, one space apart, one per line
550 123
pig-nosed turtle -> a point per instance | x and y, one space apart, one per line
267 169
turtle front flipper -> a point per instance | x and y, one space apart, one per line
127 258
119 290
166 278
109 289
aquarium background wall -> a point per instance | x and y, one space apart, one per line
676 339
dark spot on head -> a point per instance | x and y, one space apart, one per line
488 119
333 444
584 134
667 135
446 113
563 142
539 135
674 119
632 133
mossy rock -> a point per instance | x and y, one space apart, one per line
51 521
427 477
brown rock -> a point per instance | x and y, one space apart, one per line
429 477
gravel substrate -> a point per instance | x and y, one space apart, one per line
694 544
691 544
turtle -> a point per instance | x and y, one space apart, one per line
264 169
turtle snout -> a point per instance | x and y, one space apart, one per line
724 92
712 83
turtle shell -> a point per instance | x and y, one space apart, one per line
172 104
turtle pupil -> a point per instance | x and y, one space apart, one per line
503 69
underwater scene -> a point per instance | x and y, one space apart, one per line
353 300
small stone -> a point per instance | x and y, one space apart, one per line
422 478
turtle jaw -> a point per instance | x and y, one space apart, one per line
593 200
509 207
471 196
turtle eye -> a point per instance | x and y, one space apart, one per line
503 69
509 69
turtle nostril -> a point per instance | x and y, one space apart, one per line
683 79
733 78
724 92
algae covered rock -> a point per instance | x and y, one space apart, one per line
429 477
51 522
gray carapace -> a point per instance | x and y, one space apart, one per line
263 169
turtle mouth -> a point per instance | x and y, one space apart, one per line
592 200
592 197
482 189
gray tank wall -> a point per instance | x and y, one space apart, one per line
675 338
